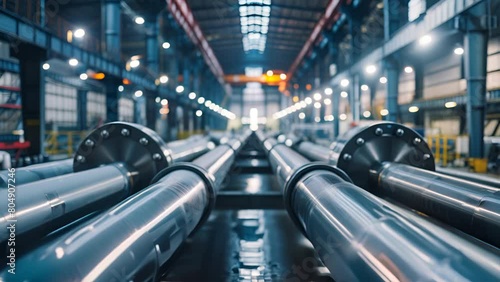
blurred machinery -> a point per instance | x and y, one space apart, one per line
223 207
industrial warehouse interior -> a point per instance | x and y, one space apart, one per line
250 140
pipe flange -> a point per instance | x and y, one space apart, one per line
207 178
364 149
296 176
138 147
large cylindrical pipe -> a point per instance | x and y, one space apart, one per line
470 207
408 178
135 238
37 172
112 168
360 237
473 177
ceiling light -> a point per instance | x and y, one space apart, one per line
367 114
164 102
157 99
371 69
343 117
327 102
165 45
282 76
139 20
201 100
302 116
344 82
308 100
192 96
46 66
425 40
73 62
269 73
121 88
84 76
408 69
458 51
199 113
413 109
364 87
135 63
450 105
317 96
384 112
383 80
138 93
328 91
317 119
79 33
343 94
179 89
317 105
208 103
163 79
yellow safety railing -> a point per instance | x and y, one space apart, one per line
444 151
63 142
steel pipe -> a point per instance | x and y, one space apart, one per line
121 163
473 177
134 239
360 237
467 206
313 151
37 172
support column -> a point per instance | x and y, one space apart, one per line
152 50
392 71
475 72
186 71
355 98
32 79
335 113
151 111
391 17
419 93
172 121
82 109
112 29
112 96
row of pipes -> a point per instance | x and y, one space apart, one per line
371 205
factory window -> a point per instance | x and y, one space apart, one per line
96 109
126 110
60 105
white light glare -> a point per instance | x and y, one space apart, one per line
343 94
408 69
328 91
413 109
46 66
327 101
384 112
383 80
367 114
308 100
79 33
138 93
165 45
73 62
179 89
121 88
84 76
192 96
164 102
458 51
317 105
302 116
199 113
425 40
343 117
163 79
371 69
201 100
139 20
450 105
317 96
135 63
364 87
344 82
282 76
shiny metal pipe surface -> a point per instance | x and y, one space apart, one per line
470 207
474 177
37 172
134 239
313 151
51 203
189 149
360 237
